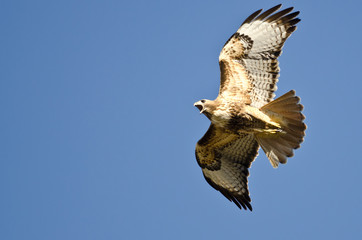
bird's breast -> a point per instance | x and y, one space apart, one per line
220 117
239 118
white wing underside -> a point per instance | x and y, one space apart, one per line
262 38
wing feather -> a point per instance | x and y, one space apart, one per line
248 61
268 12
225 159
252 16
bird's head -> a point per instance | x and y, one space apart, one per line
203 105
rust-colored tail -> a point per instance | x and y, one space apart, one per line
286 111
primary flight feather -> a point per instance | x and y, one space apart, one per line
244 115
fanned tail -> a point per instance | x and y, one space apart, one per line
285 111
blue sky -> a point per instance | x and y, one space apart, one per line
98 126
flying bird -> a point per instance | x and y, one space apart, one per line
244 115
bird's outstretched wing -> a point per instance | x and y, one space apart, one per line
248 61
225 159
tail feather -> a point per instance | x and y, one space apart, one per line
285 111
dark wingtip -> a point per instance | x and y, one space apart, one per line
289 17
294 21
270 15
268 12
250 207
277 6
279 14
252 16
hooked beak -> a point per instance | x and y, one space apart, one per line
200 106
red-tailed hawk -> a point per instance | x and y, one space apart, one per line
244 115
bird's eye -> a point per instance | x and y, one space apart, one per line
203 101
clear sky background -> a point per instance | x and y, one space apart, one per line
98 126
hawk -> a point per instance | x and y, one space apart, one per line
244 115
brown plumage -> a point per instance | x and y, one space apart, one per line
243 116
